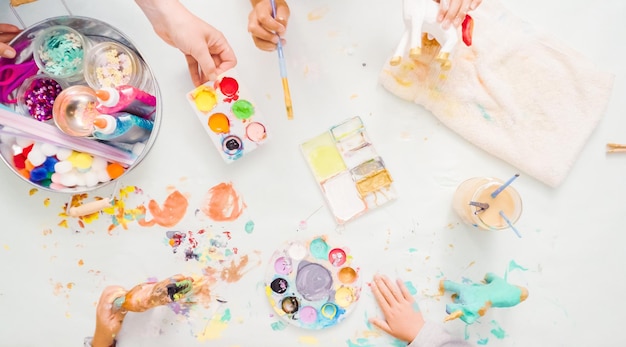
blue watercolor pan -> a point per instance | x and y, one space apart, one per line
312 284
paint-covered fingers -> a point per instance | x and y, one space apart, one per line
406 294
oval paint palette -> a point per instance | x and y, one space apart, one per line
312 284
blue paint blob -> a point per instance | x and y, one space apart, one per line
249 227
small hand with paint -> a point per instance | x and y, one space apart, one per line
7 33
403 319
266 28
108 318
453 12
206 50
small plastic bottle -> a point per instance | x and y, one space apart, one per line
122 127
126 98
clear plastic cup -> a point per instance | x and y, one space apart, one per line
59 52
111 64
478 190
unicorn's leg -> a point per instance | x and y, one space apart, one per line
450 40
415 47
399 53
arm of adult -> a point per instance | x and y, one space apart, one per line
206 50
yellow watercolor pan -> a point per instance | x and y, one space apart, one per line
350 173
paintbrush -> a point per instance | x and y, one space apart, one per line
283 69
615 147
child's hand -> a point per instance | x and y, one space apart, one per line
454 11
262 25
403 320
7 33
108 319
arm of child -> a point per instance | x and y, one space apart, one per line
403 319
108 319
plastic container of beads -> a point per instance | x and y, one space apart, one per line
111 64
59 51
30 143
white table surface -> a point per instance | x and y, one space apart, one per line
570 257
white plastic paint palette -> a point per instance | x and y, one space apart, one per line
312 284
232 121
351 174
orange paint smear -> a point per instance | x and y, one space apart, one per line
223 203
170 214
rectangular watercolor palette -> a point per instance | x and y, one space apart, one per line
226 112
352 176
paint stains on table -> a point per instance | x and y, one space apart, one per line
223 203
169 214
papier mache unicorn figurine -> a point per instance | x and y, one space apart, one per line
420 18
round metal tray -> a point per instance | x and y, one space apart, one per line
96 31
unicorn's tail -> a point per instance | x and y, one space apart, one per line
467 29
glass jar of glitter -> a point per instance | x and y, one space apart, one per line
59 52
36 96
111 64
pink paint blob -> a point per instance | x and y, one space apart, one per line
308 315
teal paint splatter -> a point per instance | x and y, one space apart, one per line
368 324
482 342
409 285
280 325
360 342
249 227
319 248
226 316
228 253
398 343
513 265
497 331
484 112
466 333
412 250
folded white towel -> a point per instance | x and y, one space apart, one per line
515 92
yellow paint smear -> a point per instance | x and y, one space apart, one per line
308 340
213 330
317 14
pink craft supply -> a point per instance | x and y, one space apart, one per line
126 98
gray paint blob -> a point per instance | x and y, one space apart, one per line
313 281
